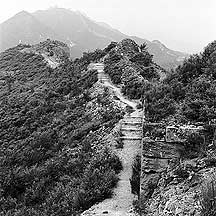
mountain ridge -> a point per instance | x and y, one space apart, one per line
77 30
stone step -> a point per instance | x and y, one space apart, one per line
131 138
132 123
131 129
133 120
131 134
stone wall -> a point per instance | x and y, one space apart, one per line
177 133
155 159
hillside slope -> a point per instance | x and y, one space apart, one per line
132 67
55 153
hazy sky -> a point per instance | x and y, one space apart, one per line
184 25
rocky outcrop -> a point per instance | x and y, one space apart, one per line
170 184
156 157
179 190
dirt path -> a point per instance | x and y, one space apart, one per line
121 203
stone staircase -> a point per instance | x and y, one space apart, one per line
121 204
131 127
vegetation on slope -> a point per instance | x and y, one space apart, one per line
53 160
131 66
188 94
187 97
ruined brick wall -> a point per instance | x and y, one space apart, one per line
179 133
155 158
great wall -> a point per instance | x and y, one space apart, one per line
156 155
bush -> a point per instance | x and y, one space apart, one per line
129 109
139 106
193 146
190 88
209 197
120 143
48 164
135 179
181 173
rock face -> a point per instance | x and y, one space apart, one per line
171 184
156 157
179 133
177 194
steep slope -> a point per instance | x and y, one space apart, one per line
77 30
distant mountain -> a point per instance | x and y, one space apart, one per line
78 31
163 56
23 28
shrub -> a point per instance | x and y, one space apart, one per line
136 206
129 109
139 106
209 197
193 146
48 164
120 143
181 173
135 179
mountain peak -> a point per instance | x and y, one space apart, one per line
81 13
159 43
23 13
156 41
56 9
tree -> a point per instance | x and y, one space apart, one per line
143 47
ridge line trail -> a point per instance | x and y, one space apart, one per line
121 203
